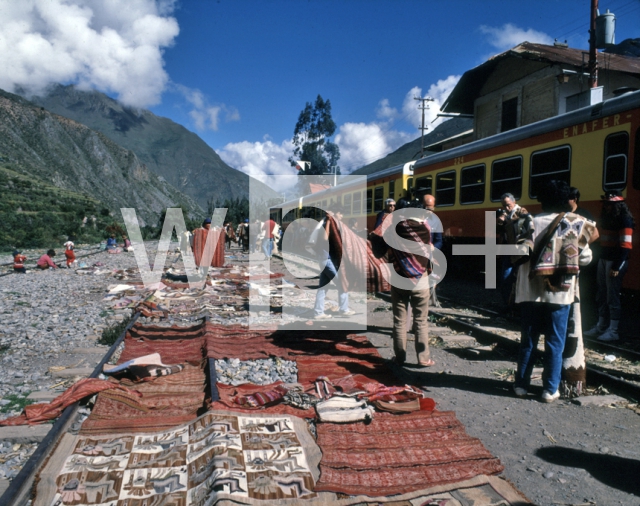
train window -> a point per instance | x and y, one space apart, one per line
446 188
506 177
409 184
369 201
548 164
378 199
347 204
425 182
616 149
472 184
392 188
357 203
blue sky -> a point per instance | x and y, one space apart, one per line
238 72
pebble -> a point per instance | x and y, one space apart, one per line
548 475
259 372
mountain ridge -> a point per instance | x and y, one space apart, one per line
167 148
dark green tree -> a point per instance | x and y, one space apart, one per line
311 140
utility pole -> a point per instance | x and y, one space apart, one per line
593 55
423 105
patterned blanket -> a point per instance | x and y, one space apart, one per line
219 455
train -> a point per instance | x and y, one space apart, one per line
595 148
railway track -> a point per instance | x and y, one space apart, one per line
475 324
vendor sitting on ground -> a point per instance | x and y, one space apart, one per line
111 242
126 245
18 262
46 261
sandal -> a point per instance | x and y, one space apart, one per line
429 363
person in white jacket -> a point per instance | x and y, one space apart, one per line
546 285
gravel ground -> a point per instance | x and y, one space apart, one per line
556 454
560 453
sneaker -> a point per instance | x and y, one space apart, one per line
609 335
549 397
322 316
348 312
594 332
520 392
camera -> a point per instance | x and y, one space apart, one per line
500 212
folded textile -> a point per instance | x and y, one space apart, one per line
151 359
37 413
300 400
344 410
260 399
147 372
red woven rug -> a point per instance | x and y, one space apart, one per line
396 454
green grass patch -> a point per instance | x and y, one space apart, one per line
17 402
4 348
111 334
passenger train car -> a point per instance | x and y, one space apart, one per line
596 148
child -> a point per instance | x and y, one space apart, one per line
45 261
68 252
18 262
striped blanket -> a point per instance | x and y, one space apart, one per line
356 257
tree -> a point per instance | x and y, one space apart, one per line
311 140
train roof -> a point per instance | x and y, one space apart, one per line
589 113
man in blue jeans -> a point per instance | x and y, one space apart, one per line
547 285
329 264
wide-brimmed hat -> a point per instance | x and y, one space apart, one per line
612 196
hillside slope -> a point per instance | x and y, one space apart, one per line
168 149
66 154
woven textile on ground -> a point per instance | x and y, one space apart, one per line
362 459
220 455
165 402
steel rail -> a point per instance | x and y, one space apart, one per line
484 336
20 489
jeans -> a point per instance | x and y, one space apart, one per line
419 300
608 297
508 277
551 320
267 247
328 273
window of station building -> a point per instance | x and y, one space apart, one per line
472 184
346 202
506 177
425 182
357 202
392 188
378 199
369 201
616 150
549 164
509 114
446 188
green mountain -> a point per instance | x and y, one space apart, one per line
168 149
51 149
411 150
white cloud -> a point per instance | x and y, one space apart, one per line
114 46
363 143
265 161
385 111
508 36
438 92
206 116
